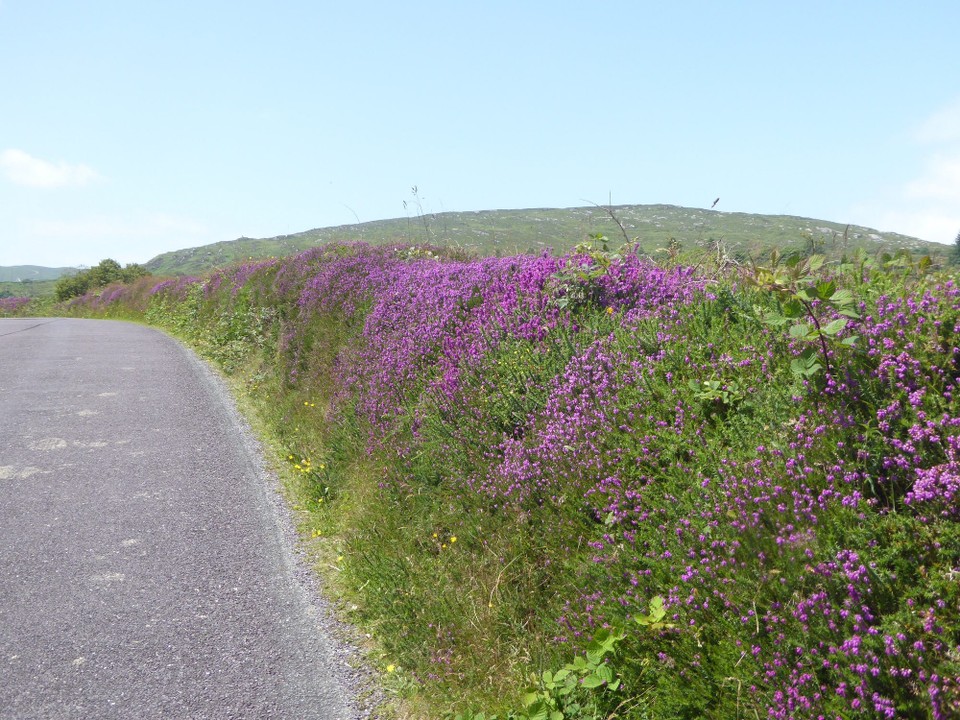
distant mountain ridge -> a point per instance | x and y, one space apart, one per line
502 232
32 273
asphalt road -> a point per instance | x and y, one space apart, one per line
145 567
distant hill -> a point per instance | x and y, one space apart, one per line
32 273
503 232
32 281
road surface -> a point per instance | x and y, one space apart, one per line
145 570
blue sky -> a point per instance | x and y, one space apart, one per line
133 128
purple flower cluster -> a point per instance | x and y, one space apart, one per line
174 288
13 304
236 277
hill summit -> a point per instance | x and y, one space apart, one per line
503 232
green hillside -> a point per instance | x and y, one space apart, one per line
31 273
33 281
504 232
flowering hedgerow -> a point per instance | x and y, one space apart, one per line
10 305
790 491
775 554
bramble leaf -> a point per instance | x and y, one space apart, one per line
842 297
604 673
826 290
793 309
657 611
835 326
774 319
539 711
592 681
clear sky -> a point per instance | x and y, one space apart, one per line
133 127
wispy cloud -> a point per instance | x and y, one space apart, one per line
941 127
21 168
940 180
928 205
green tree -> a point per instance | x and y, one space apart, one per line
106 272
955 254
70 286
132 271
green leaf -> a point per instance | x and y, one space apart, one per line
657 611
807 365
850 341
592 681
826 290
842 297
556 715
774 320
529 698
793 309
539 711
800 330
835 326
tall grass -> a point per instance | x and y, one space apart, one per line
506 457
